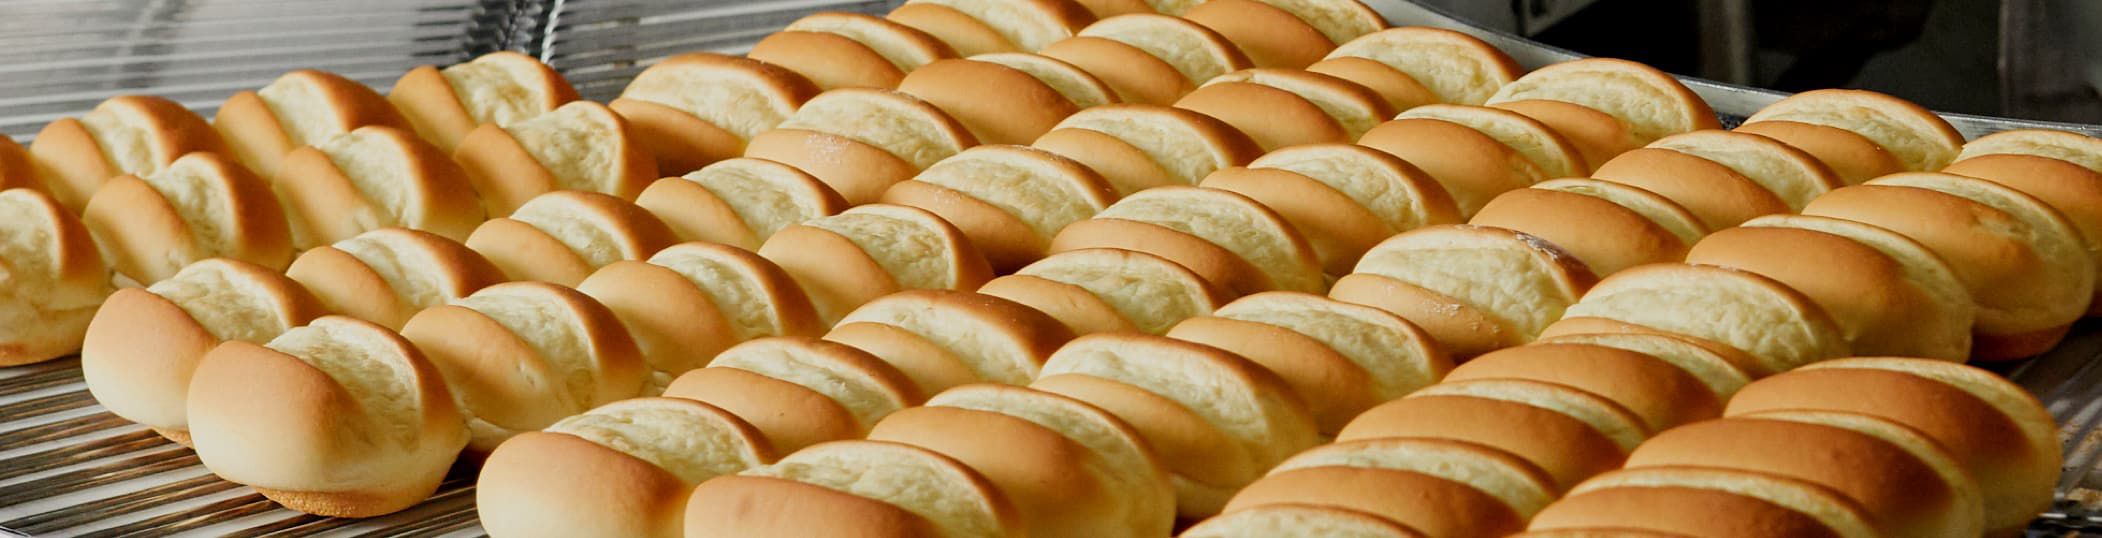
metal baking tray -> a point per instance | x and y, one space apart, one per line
69 468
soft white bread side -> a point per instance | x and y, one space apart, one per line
1012 25
129 134
1714 371
51 278
145 343
1652 103
1598 136
623 469
499 88
1554 155
849 259
998 103
1605 235
1010 200
860 141
993 339
203 205
2068 146
1298 519
1854 158
2073 190
1218 420
17 170
1342 358
960 502
1470 165
582 146
849 50
1659 392
1498 491
1136 147
372 178
300 108
1708 502
1250 232
1283 107
1880 307
1133 471
1474 289
1793 330
338 418
1109 290
1791 174
1199 53
739 202
800 391
1058 486
1271 37
387 275
563 236
1569 433
1719 196
522 355
693 300
1456 67
697 108
1921 140
1343 198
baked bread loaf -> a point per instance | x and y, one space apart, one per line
623 469
1473 289
1567 432
387 275
1109 290
1652 103
1340 357
1138 147
1608 226
1574 326
1135 75
2078 149
1598 136
1269 35
1217 420
975 27
339 418
799 391
691 301
1283 107
1298 519
1009 200
1723 177
500 88
134 135
697 108
300 108
854 488
1697 501
942 338
1233 241
739 202
1199 53
849 50
1655 390
17 170
1854 158
2053 166
1343 198
1714 370
1541 145
372 178
1922 141
1472 166
1794 330
53 278
582 146
849 259
521 355
1438 487
860 141
1791 174
563 236
1454 67
1006 98
203 205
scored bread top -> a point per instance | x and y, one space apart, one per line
998 340
17 171
1140 291
1547 149
300 108
387 275
1718 195
1598 136
1721 376
2067 146
1532 283
1854 158
1651 102
1880 305
1028 25
1352 106
957 499
1920 139
1471 166
128 134
1457 67
1233 222
563 236
1606 236
1197 52
499 88
698 108
739 202
1569 433
1793 330
1792 174
1270 36
693 300
1735 503
665 432
898 123
1516 482
1396 357
203 205
1182 146
1659 392
1297 519
1133 468
372 178
1010 200
581 146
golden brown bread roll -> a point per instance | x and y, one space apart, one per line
1010 200
1791 174
739 202
1470 165
1854 158
2053 166
1598 136
849 50
1573 326
1457 68
849 259
860 141
1547 149
300 108
800 391
1714 370
1298 519
1342 358
1343 198
990 339
1137 147
54 279
562 236
387 275
1474 289
736 506
1269 35
1796 330
1199 53
582 146
1718 196
1587 218
697 108
203 205
1440 487
1233 241
1708 502
691 301
1283 107
1922 141
1135 75
976 27
137 135
372 178
854 488
1567 432
500 88
1137 477
999 104
1659 392
1109 290
1652 103
1401 91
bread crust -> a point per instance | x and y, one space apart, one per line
432 107
324 205
506 174
257 136
346 285
147 240
74 288
73 165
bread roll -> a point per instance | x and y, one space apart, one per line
1719 196
1554 155
861 141
2067 187
1137 147
387 275
1109 290
1961 508
1854 158
1708 502
1474 289
372 178
1456 67
1606 236
563 236
339 418
999 104
1058 486
1446 488
849 259
1796 331
1072 82
1269 35
739 202
1102 9
203 205
623 469
141 348
300 108
991 339
17 170
54 280
1879 306
1652 103
697 108
1658 391
582 146
693 300
500 88
737 506
1134 475
943 496
1995 429
2079 149
1791 174
1342 358
1568 432
1016 26
1922 141
522 355
1298 519
849 50
1233 241
1572 326
1401 91
799 391
1199 53
2023 261
134 135
1010 200
1597 136
1134 74
1282 107
1343 198
1714 370
1216 419
1470 165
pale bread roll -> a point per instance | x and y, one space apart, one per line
1658 391
582 146
1719 196
1135 475
373 178
1652 103
1298 519
1791 174
1343 198
1457 68
203 205
999 104
562 236
1920 140
953 27
1134 74
387 275
51 278
1218 420
1269 35
2068 146
1137 147
622 469
1401 91
1017 25
500 88
1598 136
739 202
849 259
1058 486
1708 502
1338 20
1573 326
993 340
1340 357
1251 248
955 500
1714 370
522 355
693 109
1854 158
143 346
691 301
740 506
300 108
1109 290
134 135
860 141
1283 107
1795 331
1072 82
1497 491
1474 289
338 418
2075 191
1199 53
1658 209
799 391
849 50
1597 230
1567 432
1879 305
1547 149
17 170
1470 165
1010 200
